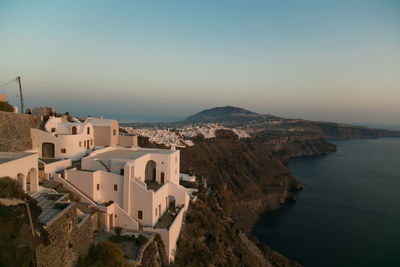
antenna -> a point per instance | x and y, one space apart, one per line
20 94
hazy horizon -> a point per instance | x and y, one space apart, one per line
333 61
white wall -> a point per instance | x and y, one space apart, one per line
52 168
69 142
21 165
84 181
127 140
170 237
124 220
141 199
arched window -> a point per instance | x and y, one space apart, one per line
150 172
73 130
88 130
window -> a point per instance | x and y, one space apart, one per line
80 143
115 187
88 130
121 171
63 150
84 143
91 142
53 130
140 214
98 187
114 132
69 227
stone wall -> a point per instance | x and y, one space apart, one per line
15 131
66 244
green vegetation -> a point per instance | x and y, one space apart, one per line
10 188
140 240
208 238
104 254
4 106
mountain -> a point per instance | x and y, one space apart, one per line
228 115
261 123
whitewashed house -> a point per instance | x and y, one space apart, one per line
63 139
143 183
21 167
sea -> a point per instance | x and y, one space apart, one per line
348 213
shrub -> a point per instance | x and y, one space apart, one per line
4 106
10 188
141 240
118 230
105 253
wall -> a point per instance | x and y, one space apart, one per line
102 135
65 247
69 142
107 182
15 131
174 167
114 138
170 236
127 140
84 181
124 220
22 166
162 165
141 199
52 168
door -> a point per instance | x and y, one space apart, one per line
47 150
111 220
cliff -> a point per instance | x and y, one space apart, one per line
342 131
15 131
293 144
245 177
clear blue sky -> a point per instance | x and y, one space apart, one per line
164 60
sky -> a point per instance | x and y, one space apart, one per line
165 60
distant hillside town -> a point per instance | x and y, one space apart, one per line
180 136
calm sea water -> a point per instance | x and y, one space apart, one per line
348 214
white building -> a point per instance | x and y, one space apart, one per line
22 167
143 183
62 139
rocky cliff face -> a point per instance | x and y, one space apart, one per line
343 131
15 131
246 175
284 147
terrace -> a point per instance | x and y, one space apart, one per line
166 220
151 185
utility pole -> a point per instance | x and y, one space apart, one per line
20 94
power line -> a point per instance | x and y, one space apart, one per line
6 83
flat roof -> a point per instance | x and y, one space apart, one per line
130 154
10 156
49 160
50 209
